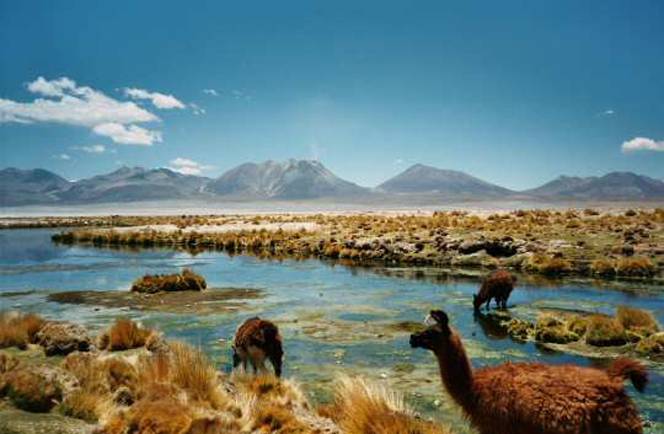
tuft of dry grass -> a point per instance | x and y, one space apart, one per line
30 390
361 407
192 371
124 334
187 280
605 331
637 321
19 330
636 266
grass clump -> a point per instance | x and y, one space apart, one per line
550 329
549 265
604 331
638 323
19 330
124 334
635 266
653 345
361 407
187 280
32 390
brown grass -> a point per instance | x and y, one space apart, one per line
192 371
125 334
19 330
30 390
187 280
636 266
361 408
605 331
638 321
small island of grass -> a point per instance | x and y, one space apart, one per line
187 280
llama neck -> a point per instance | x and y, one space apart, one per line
456 372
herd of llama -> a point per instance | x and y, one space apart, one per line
511 398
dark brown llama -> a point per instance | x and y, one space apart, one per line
497 285
534 398
256 340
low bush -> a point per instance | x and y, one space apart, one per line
187 280
124 334
605 331
638 321
30 390
19 330
636 266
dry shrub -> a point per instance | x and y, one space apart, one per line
605 331
30 390
272 418
163 416
553 330
192 371
363 408
548 264
84 404
19 330
125 334
639 321
187 280
603 267
637 266
653 345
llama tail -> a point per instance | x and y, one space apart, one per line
630 369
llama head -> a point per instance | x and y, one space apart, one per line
435 335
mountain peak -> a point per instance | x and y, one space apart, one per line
290 179
420 178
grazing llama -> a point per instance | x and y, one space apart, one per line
255 340
534 398
498 285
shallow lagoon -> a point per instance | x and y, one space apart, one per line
334 318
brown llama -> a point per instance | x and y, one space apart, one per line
256 340
498 285
534 398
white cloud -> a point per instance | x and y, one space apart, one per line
187 166
212 92
159 100
55 87
197 110
91 149
62 157
643 144
127 135
609 112
70 104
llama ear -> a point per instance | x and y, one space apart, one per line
440 317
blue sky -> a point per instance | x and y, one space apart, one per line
515 92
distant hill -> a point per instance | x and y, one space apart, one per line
612 186
23 187
129 184
559 185
305 180
292 179
420 178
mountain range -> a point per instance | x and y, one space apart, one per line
304 180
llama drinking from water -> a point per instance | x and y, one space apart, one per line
255 341
498 285
534 398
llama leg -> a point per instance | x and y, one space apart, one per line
488 304
236 360
253 365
